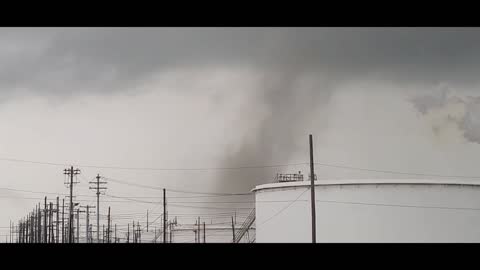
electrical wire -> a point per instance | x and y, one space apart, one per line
285 208
173 190
150 168
396 172
236 168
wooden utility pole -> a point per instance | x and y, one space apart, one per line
63 220
128 233
199 231
78 225
134 233
312 192
34 224
87 226
71 172
58 223
139 232
45 221
233 231
39 223
32 219
204 234
108 226
103 233
50 220
90 231
20 232
97 187
115 233
164 217
27 228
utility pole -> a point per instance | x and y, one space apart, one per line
50 220
39 223
233 231
32 220
78 225
63 220
19 232
90 232
164 217
97 187
27 228
134 233
204 234
71 172
115 233
128 233
34 225
312 192
199 231
87 225
139 232
58 223
108 226
23 230
45 221
31 227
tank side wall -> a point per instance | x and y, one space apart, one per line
370 213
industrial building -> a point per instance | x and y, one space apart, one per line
368 210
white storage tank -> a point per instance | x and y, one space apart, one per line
402 210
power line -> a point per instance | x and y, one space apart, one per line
206 207
150 168
285 208
396 172
239 168
178 205
403 205
371 204
174 190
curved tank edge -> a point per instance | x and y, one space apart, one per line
367 182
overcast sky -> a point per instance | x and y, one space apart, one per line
402 99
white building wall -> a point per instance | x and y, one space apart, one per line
344 213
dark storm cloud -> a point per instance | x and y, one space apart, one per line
86 56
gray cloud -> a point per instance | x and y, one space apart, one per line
462 111
68 62
119 57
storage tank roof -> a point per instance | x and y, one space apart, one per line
369 182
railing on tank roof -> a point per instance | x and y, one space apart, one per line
292 177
